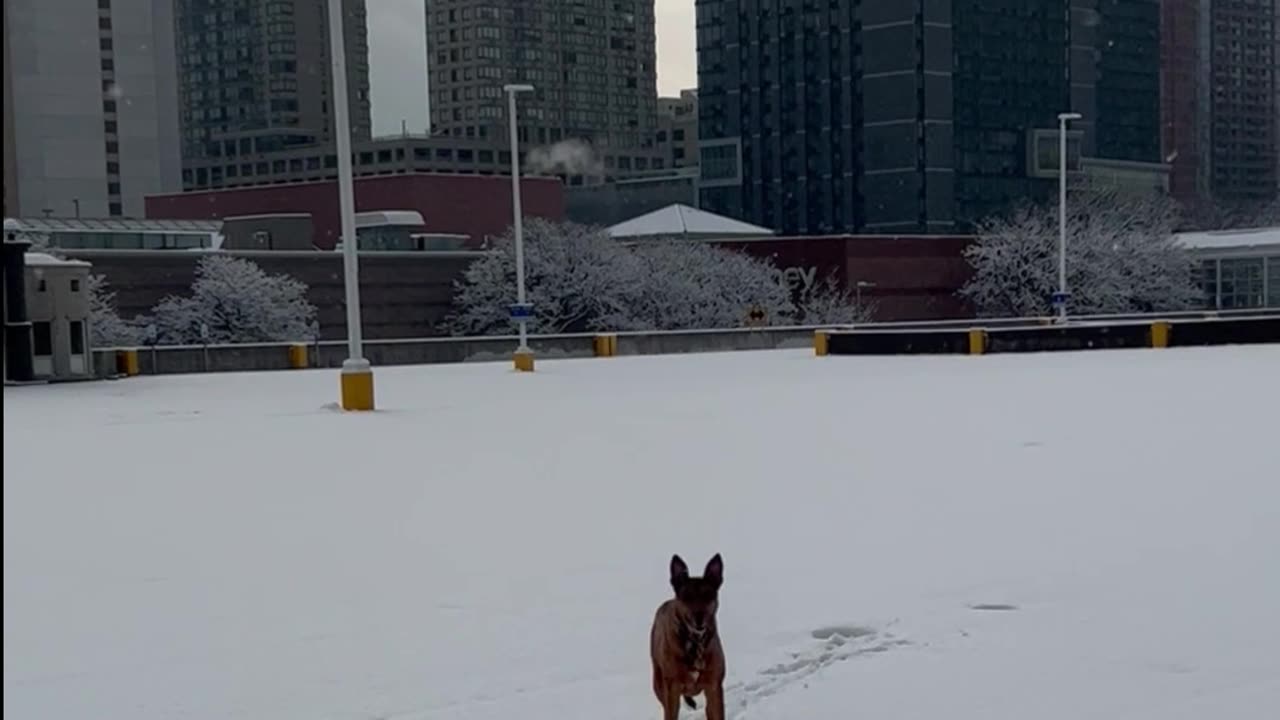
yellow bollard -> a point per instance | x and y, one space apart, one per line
977 341
298 356
605 345
127 362
523 360
820 339
1160 332
357 387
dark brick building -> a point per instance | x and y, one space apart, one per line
907 277
402 295
478 206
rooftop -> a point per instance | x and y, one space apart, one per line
1222 239
684 221
123 225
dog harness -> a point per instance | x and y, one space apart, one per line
694 642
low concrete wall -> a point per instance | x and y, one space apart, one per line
700 341
881 338
426 351
1154 331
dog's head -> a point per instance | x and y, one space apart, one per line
700 596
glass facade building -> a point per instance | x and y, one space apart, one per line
908 116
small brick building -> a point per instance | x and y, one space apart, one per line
907 277
477 206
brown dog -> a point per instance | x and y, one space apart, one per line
685 644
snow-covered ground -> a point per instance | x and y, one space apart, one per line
1037 537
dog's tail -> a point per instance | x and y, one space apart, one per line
688 700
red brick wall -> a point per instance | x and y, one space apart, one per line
916 276
474 205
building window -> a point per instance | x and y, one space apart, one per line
42 338
1273 281
77 337
42 286
115 209
1241 284
75 285
1206 277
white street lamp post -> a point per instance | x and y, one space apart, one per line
857 290
1061 298
357 375
521 311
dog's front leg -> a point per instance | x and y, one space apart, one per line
670 702
715 702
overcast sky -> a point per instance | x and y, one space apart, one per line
397 54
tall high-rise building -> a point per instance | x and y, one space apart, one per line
255 77
10 142
677 136
592 64
1221 101
914 115
1180 101
91 123
1241 78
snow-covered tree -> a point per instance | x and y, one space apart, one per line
575 276
693 285
827 302
1121 257
580 280
107 328
239 303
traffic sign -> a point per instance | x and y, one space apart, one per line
521 312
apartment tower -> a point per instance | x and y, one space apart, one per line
592 64
255 78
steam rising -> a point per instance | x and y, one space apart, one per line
569 157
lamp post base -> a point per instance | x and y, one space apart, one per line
357 385
523 359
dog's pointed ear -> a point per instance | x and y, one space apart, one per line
679 572
715 570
